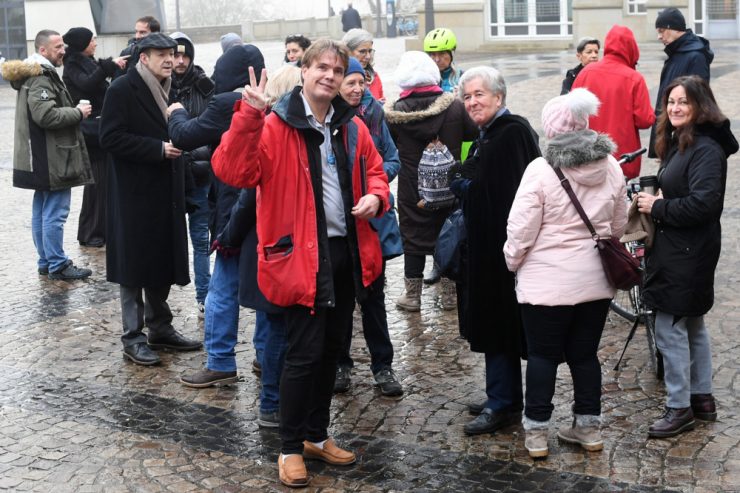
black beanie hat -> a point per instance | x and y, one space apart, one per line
78 38
670 18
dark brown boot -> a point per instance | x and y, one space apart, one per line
704 407
674 422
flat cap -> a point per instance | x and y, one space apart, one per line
158 41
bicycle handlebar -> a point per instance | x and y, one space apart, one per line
628 158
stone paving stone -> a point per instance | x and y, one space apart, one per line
74 410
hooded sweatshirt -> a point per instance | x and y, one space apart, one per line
625 100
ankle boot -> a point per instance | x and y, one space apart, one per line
449 295
411 299
585 431
704 407
674 422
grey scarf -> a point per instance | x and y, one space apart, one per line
160 91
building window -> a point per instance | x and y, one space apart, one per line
530 18
636 7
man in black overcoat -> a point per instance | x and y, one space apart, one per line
147 238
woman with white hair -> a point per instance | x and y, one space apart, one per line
422 114
561 285
360 44
487 182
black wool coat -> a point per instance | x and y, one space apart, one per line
688 236
147 235
491 322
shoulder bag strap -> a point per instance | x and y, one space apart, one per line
569 190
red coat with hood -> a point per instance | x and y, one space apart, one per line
625 100
270 153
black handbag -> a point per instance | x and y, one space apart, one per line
621 268
449 249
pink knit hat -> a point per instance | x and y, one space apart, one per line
569 112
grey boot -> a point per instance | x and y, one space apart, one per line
535 437
411 299
449 295
586 432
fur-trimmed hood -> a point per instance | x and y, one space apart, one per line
585 152
405 111
16 71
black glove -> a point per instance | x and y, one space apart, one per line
455 172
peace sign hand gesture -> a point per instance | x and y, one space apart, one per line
254 94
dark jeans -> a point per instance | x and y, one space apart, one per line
413 266
554 331
374 328
503 382
151 308
314 342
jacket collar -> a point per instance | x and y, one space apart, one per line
290 109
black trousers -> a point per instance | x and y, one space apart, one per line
554 331
374 328
148 306
314 342
94 199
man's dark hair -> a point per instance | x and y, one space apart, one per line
42 38
153 23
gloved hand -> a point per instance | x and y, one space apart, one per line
224 250
459 170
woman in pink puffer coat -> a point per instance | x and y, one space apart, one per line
561 287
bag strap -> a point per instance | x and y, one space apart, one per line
569 190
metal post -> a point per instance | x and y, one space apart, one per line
378 20
177 14
428 16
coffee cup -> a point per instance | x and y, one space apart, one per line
84 102
649 184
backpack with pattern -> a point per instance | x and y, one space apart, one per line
434 186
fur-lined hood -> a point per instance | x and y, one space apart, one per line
19 70
399 117
574 149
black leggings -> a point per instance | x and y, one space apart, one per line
413 265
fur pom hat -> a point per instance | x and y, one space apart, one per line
569 112
416 69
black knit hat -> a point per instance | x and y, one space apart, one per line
184 44
78 38
670 18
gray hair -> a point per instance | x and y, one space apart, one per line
355 37
491 78
586 41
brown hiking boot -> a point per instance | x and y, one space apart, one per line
410 301
674 422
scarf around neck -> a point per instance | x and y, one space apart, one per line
160 91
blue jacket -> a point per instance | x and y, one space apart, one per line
371 112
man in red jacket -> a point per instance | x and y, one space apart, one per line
319 179
625 101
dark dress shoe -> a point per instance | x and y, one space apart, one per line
140 354
208 378
489 421
94 243
704 407
674 422
476 409
175 341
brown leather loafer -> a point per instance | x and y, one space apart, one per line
674 422
331 454
292 471
704 407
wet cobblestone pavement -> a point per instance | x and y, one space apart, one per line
75 416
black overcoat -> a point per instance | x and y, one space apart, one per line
688 235
147 235
490 320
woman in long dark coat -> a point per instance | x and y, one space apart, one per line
487 183
693 143
87 78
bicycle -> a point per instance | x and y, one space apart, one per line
629 304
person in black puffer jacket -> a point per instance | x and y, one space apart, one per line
87 78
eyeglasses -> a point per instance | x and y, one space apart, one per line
366 52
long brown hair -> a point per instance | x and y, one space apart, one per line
704 109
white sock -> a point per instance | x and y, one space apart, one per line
320 444
285 456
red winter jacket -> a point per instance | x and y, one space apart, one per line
625 101
270 154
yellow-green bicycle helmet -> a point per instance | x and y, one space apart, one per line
440 39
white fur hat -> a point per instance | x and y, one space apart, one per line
569 112
416 69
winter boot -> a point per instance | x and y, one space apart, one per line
535 437
448 300
586 432
410 301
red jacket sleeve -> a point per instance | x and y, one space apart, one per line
241 159
642 111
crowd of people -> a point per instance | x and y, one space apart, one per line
165 149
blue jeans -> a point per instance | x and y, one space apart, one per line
222 315
198 223
273 356
259 339
50 211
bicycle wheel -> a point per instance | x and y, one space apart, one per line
624 304
655 357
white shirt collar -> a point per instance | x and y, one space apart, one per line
309 114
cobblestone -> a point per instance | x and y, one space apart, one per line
74 416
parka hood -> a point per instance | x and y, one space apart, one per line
422 114
17 71
232 68
583 152
690 42
620 43
720 134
